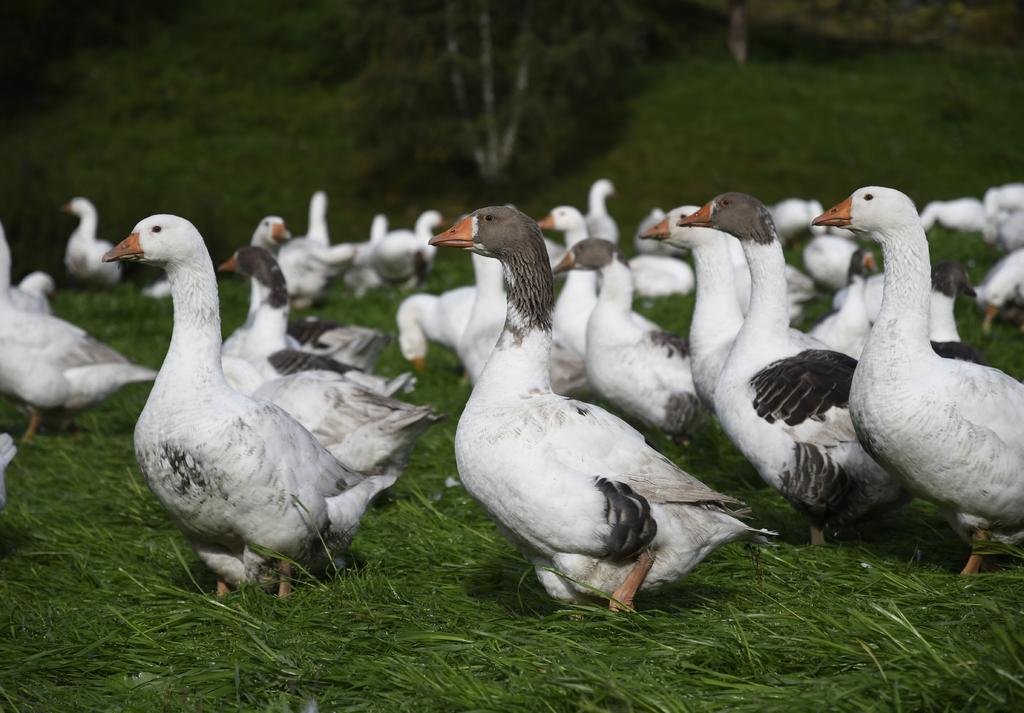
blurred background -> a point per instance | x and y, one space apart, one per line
226 111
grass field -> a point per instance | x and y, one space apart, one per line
104 607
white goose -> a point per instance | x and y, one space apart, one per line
50 367
360 275
951 431
404 257
263 341
632 362
963 214
239 477
1002 290
827 259
949 279
424 318
792 217
7 453
575 488
487 318
600 223
717 316
83 257
33 292
846 328
309 263
785 406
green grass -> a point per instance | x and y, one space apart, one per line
104 607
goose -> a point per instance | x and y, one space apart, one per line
51 368
951 431
654 247
827 259
632 362
717 315
949 279
599 223
1002 290
263 341
83 257
661 276
785 406
33 292
573 307
404 257
424 318
1000 202
238 476
486 319
576 489
7 452
793 216
844 330
360 275
964 214
799 287
309 262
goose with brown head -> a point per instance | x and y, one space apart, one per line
579 491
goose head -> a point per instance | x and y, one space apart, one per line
79 206
563 218
39 283
270 232
874 210
683 237
739 214
590 254
259 264
427 221
949 277
160 240
496 231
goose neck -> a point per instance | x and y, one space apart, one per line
194 353
86 230
596 201
903 318
616 290
941 321
716 310
575 234
768 316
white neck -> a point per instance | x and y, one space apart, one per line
716 313
86 230
269 327
942 322
490 280
767 321
318 222
616 293
902 322
596 201
575 234
193 358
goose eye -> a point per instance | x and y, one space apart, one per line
724 202
868 197
157 228
488 217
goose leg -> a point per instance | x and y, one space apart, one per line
33 426
222 588
817 535
975 561
622 597
284 587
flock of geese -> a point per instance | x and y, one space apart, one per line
267 448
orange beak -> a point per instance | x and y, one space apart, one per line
838 216
547 222
126 250
459 235
566 264
419 363
990 314
279 233
700 219
658 232
66 208
229 265
869 262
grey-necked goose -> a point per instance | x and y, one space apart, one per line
951 431
786 407
574 487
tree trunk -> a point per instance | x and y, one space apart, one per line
738 30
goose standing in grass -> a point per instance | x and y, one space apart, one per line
785 406
949 279
631 361
964 214
83 257
424 318
33 292
1002 290
827 259
486 319
7 453
263 341
793 216
589 503
600 224
404 257
846 328
51 368
951 431
239 477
